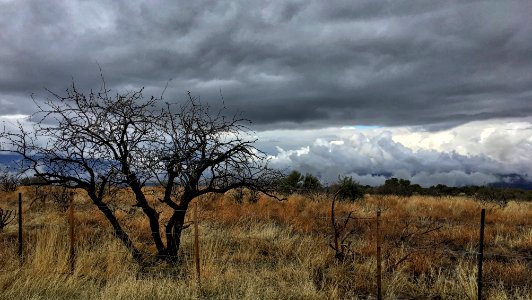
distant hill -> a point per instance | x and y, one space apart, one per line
514 181
8 160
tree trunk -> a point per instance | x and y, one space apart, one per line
174 227
151 213
153 217
117 228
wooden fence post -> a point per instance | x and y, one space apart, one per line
196 244
71 221
379 258
481 253
20 242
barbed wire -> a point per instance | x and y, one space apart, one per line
202 224
454 253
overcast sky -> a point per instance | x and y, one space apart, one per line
428 90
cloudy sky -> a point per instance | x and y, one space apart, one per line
432 91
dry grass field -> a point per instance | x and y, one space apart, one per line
276 250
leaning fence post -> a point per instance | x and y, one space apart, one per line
481 253
196 244
379 259
71 220
20 242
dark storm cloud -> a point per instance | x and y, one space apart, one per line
283 63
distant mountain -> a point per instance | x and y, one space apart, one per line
8 160
514 181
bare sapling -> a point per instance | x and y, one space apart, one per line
8 182
340 235
6 217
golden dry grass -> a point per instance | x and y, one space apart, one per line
276 250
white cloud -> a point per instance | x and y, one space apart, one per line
14 117
472 153
10 123
508 141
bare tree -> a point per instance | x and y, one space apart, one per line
100 143
342 233
8 182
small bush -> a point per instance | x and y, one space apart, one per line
254 196
398 187
34 180
237 195
8 182
295 182
291 183
6 217
60 196
348 189
311 184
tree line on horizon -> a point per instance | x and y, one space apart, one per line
348 188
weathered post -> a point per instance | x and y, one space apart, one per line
481 253
379 259
20 242
196 244
71 220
